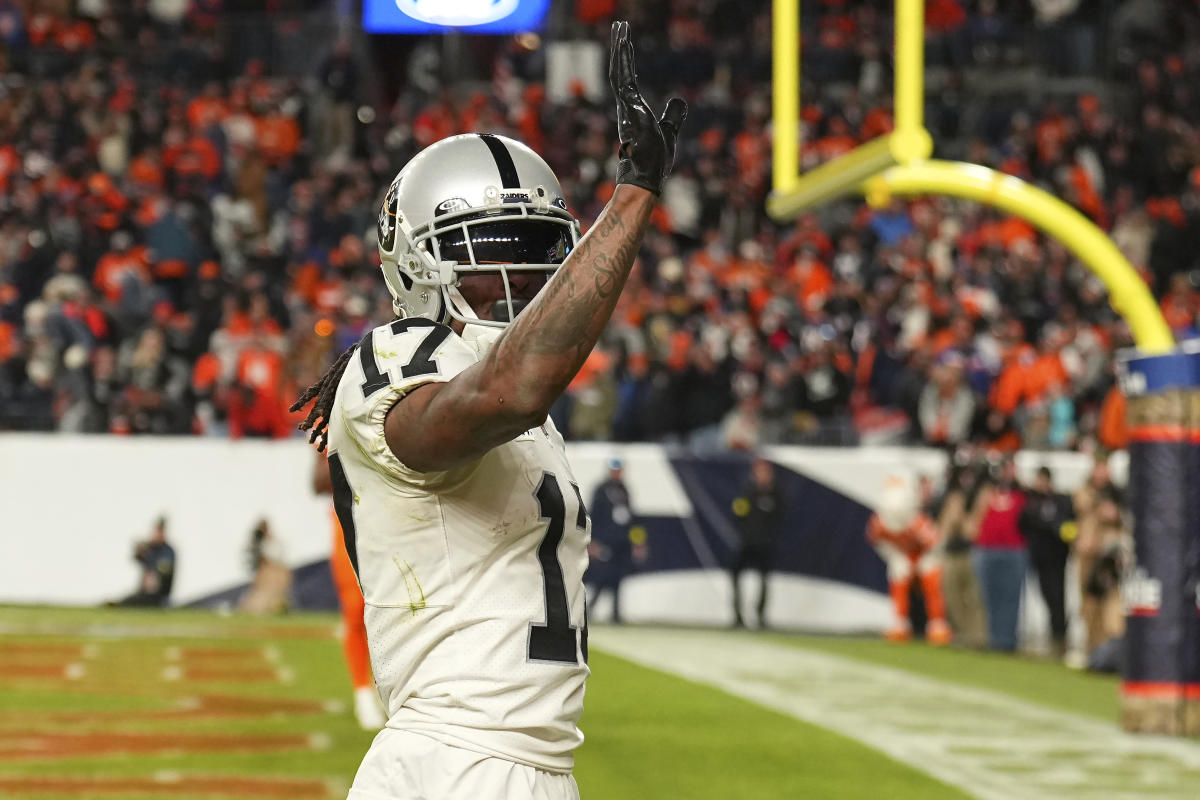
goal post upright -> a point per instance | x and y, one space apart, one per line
898 163
785 93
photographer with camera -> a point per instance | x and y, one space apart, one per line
157 560
964 607
1100 545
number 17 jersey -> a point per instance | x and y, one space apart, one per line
472 578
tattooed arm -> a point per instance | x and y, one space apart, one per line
441 425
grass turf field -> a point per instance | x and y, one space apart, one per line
137 704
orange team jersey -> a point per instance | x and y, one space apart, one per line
914 540
112 269
344 579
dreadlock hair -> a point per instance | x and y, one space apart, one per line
323 391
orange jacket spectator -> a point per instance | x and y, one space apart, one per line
1179 305
943 16
8 341
1087 197
1026 379
75 36
750 152
877 122
10 160
597 364
196 156
114 266
830 147
812 280
1113 427
41 28
258 405
434 123
206 110
146 171
591 11
1050 134
278 137
1044 374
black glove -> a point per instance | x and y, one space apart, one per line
647 145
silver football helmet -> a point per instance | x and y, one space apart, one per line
475 203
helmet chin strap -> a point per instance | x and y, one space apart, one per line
460 303
480 337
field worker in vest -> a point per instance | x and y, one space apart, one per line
907 541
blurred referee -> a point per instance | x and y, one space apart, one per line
616 541
759 512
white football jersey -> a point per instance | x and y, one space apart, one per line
473 578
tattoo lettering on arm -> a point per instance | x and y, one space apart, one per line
568 316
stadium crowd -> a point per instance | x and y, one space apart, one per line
186 234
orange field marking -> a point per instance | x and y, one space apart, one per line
221 653
34 744
18 650
206 707
212 786
235 675
166 629
37 671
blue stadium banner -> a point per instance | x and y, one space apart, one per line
1142 374
441 16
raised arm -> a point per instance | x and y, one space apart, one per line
441 425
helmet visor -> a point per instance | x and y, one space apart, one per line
507 241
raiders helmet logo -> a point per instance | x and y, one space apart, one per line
450 206
387 219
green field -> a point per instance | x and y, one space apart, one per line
143 704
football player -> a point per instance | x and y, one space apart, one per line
908 542
462 518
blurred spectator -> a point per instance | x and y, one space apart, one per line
947 406
1100 532
964 605
156 558
1043 522
759 513
261 395
1105 619
706 395
593 397
271 585
999 555
617 543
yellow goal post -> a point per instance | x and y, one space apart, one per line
899 163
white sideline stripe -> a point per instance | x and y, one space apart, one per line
990 745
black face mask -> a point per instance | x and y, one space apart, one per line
512 241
